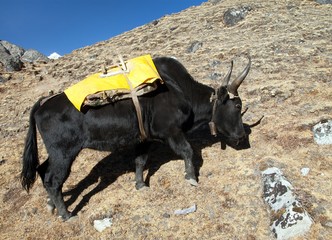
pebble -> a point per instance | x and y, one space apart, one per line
305 171
101 225
194 47
184 211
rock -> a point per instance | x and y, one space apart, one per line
194 47
166 215
184 211
323 132
288 217
305 171
10 62
234 15
155 22
215 63
5 77
12 56
101 225
13 49
214 2
215 76
324 1
327 224
32 55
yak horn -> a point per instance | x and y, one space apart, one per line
237 82
228 76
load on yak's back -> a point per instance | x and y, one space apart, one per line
138 75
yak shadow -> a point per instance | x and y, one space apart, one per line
119 162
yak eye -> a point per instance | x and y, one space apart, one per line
238 106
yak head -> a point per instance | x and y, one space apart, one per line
227 106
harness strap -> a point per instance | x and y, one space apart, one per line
213 99
212 125
134 97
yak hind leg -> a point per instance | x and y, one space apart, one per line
41 171
55 174
140 161
181 146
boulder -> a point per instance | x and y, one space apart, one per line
323 132
234 15
13 49
289 219
10 62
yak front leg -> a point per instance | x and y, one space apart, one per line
181 146
140 161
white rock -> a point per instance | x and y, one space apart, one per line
101 225
305 171
290 219
184 211
323 132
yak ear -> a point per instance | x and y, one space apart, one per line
222 93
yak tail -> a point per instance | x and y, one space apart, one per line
30 153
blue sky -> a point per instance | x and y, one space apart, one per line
65 25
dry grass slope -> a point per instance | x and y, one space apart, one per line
290 83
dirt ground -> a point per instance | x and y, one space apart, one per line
290 83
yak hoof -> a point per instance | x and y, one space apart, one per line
72 219
141 186
66 217
50 208
192 182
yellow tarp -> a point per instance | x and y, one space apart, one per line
141 70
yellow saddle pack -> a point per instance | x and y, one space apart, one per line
138 75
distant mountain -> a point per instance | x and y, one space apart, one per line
54 55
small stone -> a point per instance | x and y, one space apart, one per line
215 63
166 215
273 93
155 22
101 225
327 224
184 211
305 171
214 2
324 1
215 76
194 47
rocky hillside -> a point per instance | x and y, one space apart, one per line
290 83
13 57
